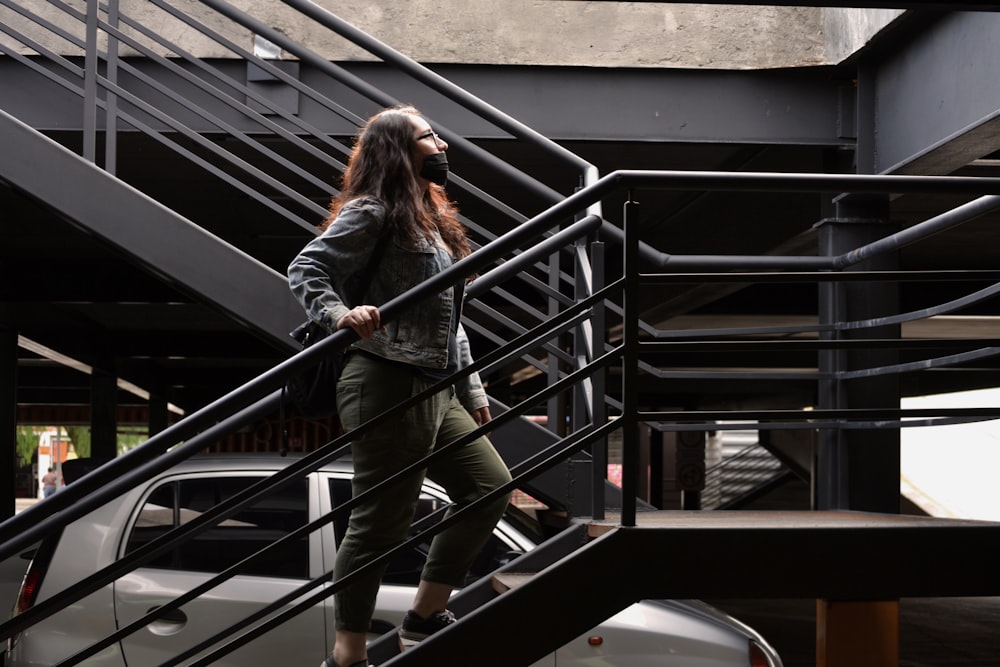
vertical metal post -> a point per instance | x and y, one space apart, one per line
859 469
582 339
103 414
90 84
599 450
159 414
657 465
111 100
554 409
689 458
8 420
630 365
829 476
866 151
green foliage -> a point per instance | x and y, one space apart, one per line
80 437
27 442
28 436
128 441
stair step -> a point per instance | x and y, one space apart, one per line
505 581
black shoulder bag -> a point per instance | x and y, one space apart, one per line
314 390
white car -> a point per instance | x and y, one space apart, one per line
647 634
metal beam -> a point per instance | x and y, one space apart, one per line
166 244
781 107
682 555
936 106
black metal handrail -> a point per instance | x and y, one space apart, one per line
486 255
194 443
259 396
97 487
328 452
209 80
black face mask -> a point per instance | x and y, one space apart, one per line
435 168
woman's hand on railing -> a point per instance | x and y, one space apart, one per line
482 415
364 320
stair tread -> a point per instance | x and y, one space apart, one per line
505 581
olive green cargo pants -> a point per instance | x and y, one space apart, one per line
368 387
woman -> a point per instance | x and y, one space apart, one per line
393 208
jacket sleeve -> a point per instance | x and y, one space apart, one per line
320 274
470 390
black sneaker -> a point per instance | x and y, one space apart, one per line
416 629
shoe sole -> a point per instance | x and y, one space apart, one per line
406 643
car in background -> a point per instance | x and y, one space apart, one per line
647 634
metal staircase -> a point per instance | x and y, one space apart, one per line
107 208
545 302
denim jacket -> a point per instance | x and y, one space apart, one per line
325 277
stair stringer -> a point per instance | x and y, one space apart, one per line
474 596
166 244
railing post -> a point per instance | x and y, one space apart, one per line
90 84
630 365
111 100
599 451
8 418
581 338
556 406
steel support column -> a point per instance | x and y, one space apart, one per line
159 414
858 469
8 419
103 416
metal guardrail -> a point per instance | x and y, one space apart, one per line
515 252
101 90
211 82
126 94
99 486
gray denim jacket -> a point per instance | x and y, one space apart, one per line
325 278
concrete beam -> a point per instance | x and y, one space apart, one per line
970 5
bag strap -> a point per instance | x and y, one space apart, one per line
304 332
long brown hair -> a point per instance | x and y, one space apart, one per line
381 165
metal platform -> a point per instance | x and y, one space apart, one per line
829 555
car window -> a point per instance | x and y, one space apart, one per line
175 503
404 569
